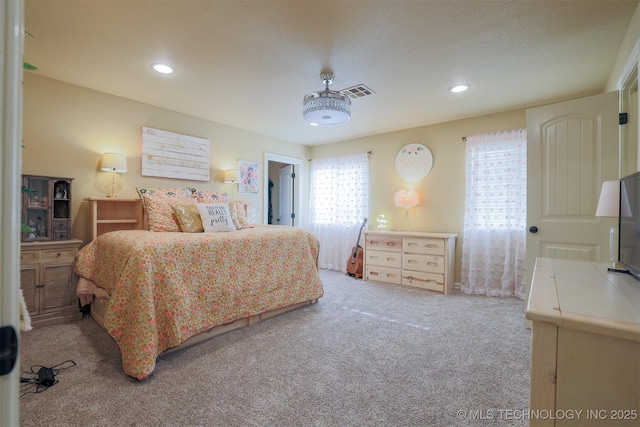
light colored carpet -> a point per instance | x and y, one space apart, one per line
366 355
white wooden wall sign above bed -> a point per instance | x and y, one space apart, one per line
171 155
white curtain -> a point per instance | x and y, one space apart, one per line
494 237
339 203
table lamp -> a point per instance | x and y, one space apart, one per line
114 163
231 176
406 199
610 205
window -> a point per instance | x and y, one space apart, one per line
496 186
339 202
494 236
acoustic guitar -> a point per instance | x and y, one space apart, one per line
355 261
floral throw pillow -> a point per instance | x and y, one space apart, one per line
211 196
215 217
238 209
158 206
146 193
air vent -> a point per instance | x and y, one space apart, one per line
357 91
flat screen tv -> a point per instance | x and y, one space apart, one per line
629 224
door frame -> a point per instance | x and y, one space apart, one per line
271 157
11 75
627 80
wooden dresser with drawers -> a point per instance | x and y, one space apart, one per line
416 259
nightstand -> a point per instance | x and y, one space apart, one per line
48 282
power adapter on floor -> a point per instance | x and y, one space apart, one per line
46 377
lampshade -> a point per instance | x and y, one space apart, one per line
114 162
609 203
231 176
328 107
406 199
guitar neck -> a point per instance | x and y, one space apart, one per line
355 248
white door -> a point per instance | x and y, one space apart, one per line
285 196
572 147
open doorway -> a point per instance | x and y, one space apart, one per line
282 190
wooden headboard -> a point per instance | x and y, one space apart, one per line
108 214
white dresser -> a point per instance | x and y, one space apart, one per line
585 346
417 259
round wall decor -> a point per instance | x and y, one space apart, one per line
414 162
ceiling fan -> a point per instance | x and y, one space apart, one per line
326 108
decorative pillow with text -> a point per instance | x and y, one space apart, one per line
215 217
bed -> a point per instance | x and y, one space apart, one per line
155 291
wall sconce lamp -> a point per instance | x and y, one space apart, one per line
114 163
406 199
610 205
231 176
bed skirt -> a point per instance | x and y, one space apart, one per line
100 304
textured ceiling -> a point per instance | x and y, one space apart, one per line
248 64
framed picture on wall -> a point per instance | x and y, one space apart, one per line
249 177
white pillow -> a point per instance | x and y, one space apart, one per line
215 217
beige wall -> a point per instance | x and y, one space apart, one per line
442 192
67 128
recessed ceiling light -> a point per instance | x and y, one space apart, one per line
162 68
459 88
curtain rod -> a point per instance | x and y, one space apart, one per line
464 139
368 152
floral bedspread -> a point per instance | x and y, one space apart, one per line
167 287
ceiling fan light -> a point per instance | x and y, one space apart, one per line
328 107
